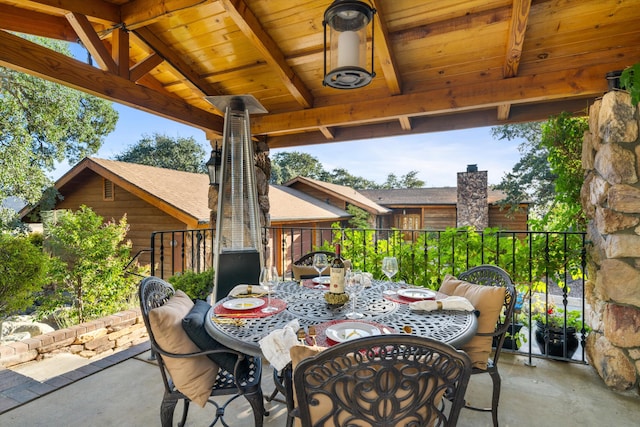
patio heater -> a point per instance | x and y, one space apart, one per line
237 256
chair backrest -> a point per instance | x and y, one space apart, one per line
155 292
491 275
385 380
302 268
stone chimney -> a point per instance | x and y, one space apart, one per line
472 208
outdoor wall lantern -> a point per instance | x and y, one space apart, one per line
347 21
213 165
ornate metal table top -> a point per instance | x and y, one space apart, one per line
309 307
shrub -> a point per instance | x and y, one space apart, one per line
88 267
23 273
195 285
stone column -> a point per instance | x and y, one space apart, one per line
472 206
611 198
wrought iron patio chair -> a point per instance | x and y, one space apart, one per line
244 379
491 275
382 381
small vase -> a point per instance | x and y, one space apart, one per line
556 340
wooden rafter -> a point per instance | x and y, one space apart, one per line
385 53
141 13
22 55
176 61
92 42
515 41
251 28
405 123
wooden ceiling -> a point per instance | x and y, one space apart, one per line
440 64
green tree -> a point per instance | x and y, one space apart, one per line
23 272
88 268
360 219
286 166
341 176
42 123
183 154
549 173
409 180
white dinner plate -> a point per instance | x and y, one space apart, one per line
243 303
345 331
416 294
322 280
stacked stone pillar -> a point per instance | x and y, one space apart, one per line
472 206
611 198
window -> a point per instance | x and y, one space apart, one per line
107 189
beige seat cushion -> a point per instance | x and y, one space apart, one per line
193 376
488 300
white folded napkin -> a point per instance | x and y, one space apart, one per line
248 289
449 303
277 344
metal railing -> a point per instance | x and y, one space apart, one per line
548 268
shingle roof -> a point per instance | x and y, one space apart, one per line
188 192
347 193
290 205
423 196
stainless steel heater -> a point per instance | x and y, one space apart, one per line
238 241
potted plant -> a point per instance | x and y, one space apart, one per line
554 327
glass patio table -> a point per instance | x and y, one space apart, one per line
304 301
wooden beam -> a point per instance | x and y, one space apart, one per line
440 123
582 82
120 51
328 134
385 52
252 29
141 13
503 111
175 60
92 42
36 23
103 10
515 37
22 55
143 67
405 123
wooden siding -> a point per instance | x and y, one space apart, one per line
502 219
438 217
142 217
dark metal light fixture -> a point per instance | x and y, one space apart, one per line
213 165
347 21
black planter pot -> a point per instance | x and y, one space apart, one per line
556 340
510 341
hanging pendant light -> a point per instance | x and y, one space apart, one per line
347 63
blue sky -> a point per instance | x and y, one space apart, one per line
437 156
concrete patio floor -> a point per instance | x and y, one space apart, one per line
129 392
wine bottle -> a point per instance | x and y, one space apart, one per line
336 274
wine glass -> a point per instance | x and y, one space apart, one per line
320 262
353 286
269 279
389 266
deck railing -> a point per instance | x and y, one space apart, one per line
548 268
